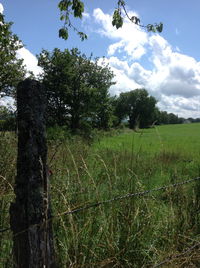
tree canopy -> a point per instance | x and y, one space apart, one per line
77 88
137 106
11 68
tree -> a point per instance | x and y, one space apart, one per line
5 113
76 9
137 106
77 88
173 119
7 119
11 69
162 117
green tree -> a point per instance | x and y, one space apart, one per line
164 118
173 119
77 89
137 106
5 113
11 68
7 119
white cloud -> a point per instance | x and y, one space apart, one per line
174 78
86 15
181 106
30 60
129 38
175 74
1 8
8 102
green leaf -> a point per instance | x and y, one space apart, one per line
1 18
150 28
82 35
78 8
63 33
135 20
63 5
121 2
159 27
62 17
117 19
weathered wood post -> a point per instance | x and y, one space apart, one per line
30 212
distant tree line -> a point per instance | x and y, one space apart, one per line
78 95
77 92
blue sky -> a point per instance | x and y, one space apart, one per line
167 65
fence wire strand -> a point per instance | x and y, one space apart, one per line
117 198
126 196
174 257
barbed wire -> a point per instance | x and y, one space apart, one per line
173 257
126 196
117 198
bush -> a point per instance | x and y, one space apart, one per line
58 133
8 124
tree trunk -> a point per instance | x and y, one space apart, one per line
30 213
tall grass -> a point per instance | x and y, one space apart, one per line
134 232
7 175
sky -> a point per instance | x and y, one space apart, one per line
166 64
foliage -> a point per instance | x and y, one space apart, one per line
118 19
8 124
11 68
138 106
76 9
5 112
7 119
68 7
162 117
77 89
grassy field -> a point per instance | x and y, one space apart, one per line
141 231
174 138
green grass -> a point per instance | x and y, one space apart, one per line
159 153
133 232
183 138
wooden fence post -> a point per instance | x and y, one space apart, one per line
30 215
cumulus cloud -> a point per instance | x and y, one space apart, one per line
30 61
174 78
181 106
9 102
177 74
86 15
1 8
129 38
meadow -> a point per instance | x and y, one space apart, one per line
159 228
